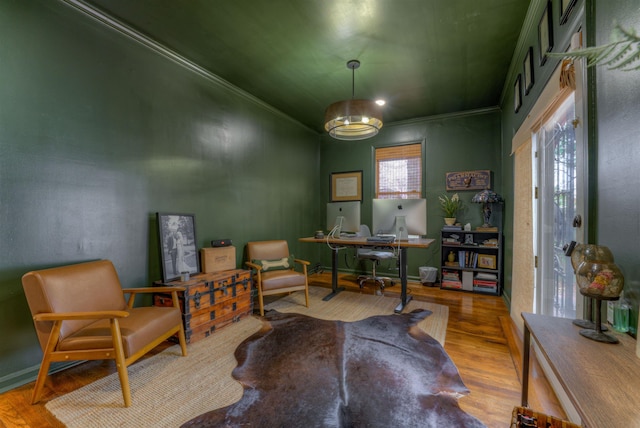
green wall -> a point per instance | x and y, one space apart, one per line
98 133
617 146
510 120
613 128
460 142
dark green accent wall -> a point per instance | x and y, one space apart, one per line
511 121
460 142
98 133
617 148
613 128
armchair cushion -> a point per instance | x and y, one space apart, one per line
282 279
141 327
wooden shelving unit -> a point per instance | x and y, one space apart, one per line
471 260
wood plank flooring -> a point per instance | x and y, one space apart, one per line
487 358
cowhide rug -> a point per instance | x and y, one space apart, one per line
383 371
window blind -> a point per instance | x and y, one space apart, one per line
399 171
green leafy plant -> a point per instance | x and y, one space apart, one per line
621 53
450 206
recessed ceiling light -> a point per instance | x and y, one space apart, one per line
381 102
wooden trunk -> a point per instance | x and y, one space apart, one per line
210 301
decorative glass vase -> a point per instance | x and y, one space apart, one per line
449 221
600 279
583 252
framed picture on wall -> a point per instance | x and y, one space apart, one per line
528 71
517 94
346 186
178 252
565 10
545 33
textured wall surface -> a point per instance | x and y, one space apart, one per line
618 152
98 133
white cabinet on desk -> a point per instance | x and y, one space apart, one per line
471 261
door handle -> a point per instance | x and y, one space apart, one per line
577 220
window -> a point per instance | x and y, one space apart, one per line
399 172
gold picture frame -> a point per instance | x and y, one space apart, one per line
346 186
486 261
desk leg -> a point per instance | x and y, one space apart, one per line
525 367
334 276
404 299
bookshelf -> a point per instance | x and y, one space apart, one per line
471 260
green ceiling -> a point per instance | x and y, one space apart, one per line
425 57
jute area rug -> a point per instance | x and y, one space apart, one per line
169 390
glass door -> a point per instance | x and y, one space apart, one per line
559 210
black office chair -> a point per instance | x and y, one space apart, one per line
376 255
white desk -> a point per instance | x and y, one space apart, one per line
362 242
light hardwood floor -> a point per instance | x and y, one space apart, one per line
479 340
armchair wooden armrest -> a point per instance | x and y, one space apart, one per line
67 316
133 291
153 289
302 262
253 266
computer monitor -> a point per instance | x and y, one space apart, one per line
399 217
346 214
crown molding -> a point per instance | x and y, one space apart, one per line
530 24
114 24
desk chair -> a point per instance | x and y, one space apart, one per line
376 255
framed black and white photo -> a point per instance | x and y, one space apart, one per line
528 71
545 33
178 251
565 10
517 94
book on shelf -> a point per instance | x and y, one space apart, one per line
450 241
467 259
448 228
485 289
483 283
452 284
487 276
450 275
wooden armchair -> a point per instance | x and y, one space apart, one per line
274 270
80 313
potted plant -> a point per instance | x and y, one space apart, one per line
450 206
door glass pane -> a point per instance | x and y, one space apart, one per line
559 207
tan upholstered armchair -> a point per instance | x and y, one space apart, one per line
274 271
80 313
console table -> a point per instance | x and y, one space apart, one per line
602 380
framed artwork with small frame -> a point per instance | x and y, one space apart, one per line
528 71
346 186
565 10
517 94
486 261
545 33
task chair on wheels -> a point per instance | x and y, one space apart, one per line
376 255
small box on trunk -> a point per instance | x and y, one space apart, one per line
218 259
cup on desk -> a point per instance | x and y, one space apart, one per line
319 234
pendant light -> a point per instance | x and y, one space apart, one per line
353 119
